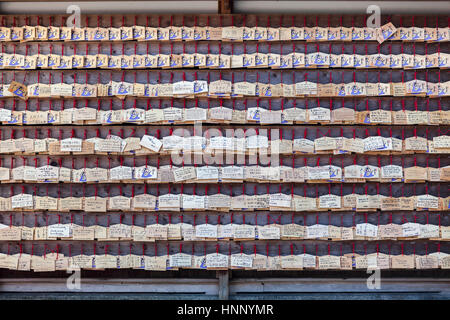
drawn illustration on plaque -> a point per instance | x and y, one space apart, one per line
14 62
345 62
319 34
27 34
258 35
283 62
295 35
394 62
331 35
86 92
307 35
197 35
405 61
14 35
51 34
333 63
356 35
137 33
75 36
356 91
124 63
246 62
385 145
203 263
369 173
417 64
146 91
333 172
83 177
134 116
209 61
50 118
27 64
245 35
197 61
109 117
122 89
161 62
442 61
386 33
199 86
146 173
256 115
367 35
51 62
148 62
111 64
63 64
40 62
416 87
40 34
19 92
271 61
98 35
148 35
112 36
379 62
442 91
14 119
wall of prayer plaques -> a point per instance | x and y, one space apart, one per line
243 142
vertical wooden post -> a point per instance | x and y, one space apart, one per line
223 284
224 6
